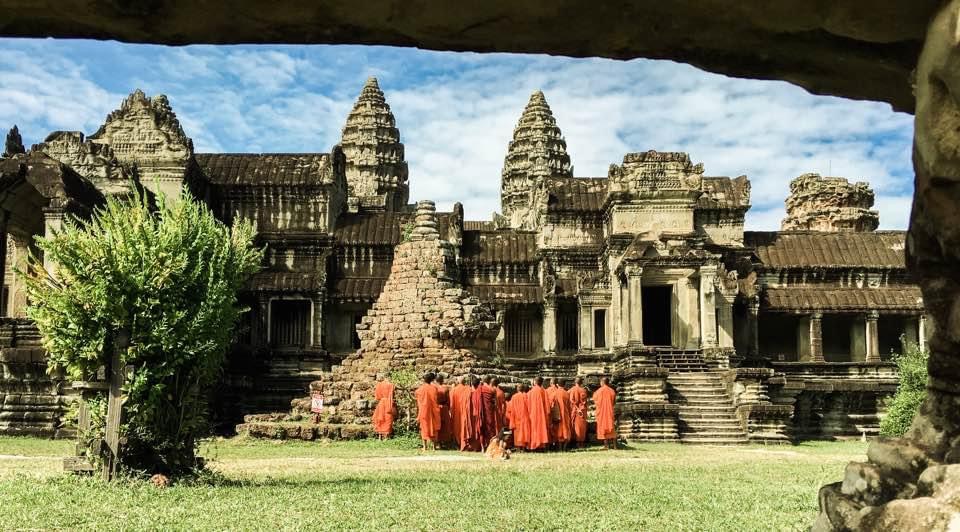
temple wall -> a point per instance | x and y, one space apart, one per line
282 209
637 219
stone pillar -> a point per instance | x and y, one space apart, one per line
586 327
52 221
316 333
635 313
550 324
708 307
816 337
922 331
624 313
873 337
725 326
262 337
753 327
4 216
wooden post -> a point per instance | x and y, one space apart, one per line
115 405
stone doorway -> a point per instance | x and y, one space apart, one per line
657 302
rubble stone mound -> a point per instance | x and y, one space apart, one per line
829 204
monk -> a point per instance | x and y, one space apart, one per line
386 411
603 400
563 426
460 415
519 416
539 415
501 405
445 435
428 412
578 410
483 403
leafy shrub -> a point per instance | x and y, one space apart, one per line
168 279
904 405
406 381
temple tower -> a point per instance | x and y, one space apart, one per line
536 153
820 203
376 170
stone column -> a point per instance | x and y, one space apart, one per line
4 216
635 314
873 337
922 331
316 333
586 327
262 337
550 324
816 337
52 221
624 314
725 326
616 308
753 327
708 307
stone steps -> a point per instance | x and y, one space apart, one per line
706 413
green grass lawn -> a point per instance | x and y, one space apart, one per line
371 485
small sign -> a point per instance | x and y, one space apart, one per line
316 402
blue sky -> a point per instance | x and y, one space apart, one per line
456 112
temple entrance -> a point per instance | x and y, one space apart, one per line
657 308
568 326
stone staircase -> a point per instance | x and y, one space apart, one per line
682 361
707 415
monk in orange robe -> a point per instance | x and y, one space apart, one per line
539 413
563 426
501 405
603 400
445 435
519 416
428 412
386 411
460 414
578 410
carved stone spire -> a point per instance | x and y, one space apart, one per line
14 143
829 204
376 170
536 153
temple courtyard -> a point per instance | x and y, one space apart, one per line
255 484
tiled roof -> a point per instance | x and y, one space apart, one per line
357 289
286 282
503 247
507 293
266 168
803 299
577 194
802 249
725 193
384 228
474 225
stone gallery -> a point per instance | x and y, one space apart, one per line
710 333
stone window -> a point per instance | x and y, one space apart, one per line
600 328
568 314
521 327
289 323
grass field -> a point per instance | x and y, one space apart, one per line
371 485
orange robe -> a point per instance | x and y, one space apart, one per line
562 430
460 416
603 400
539 408
428 412
446 426
501 410
483 405
578 409
386 410
519 415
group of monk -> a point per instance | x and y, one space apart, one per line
476 412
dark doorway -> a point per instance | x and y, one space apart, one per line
657 307
568 326
600 328
836 329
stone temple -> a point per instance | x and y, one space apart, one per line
711 333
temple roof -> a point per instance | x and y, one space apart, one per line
358 288
809 249
376 228
901 297
725 193
286 281
577 194
503 247
267 168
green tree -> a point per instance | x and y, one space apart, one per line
167 277
912 389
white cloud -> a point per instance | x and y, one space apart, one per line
456 113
